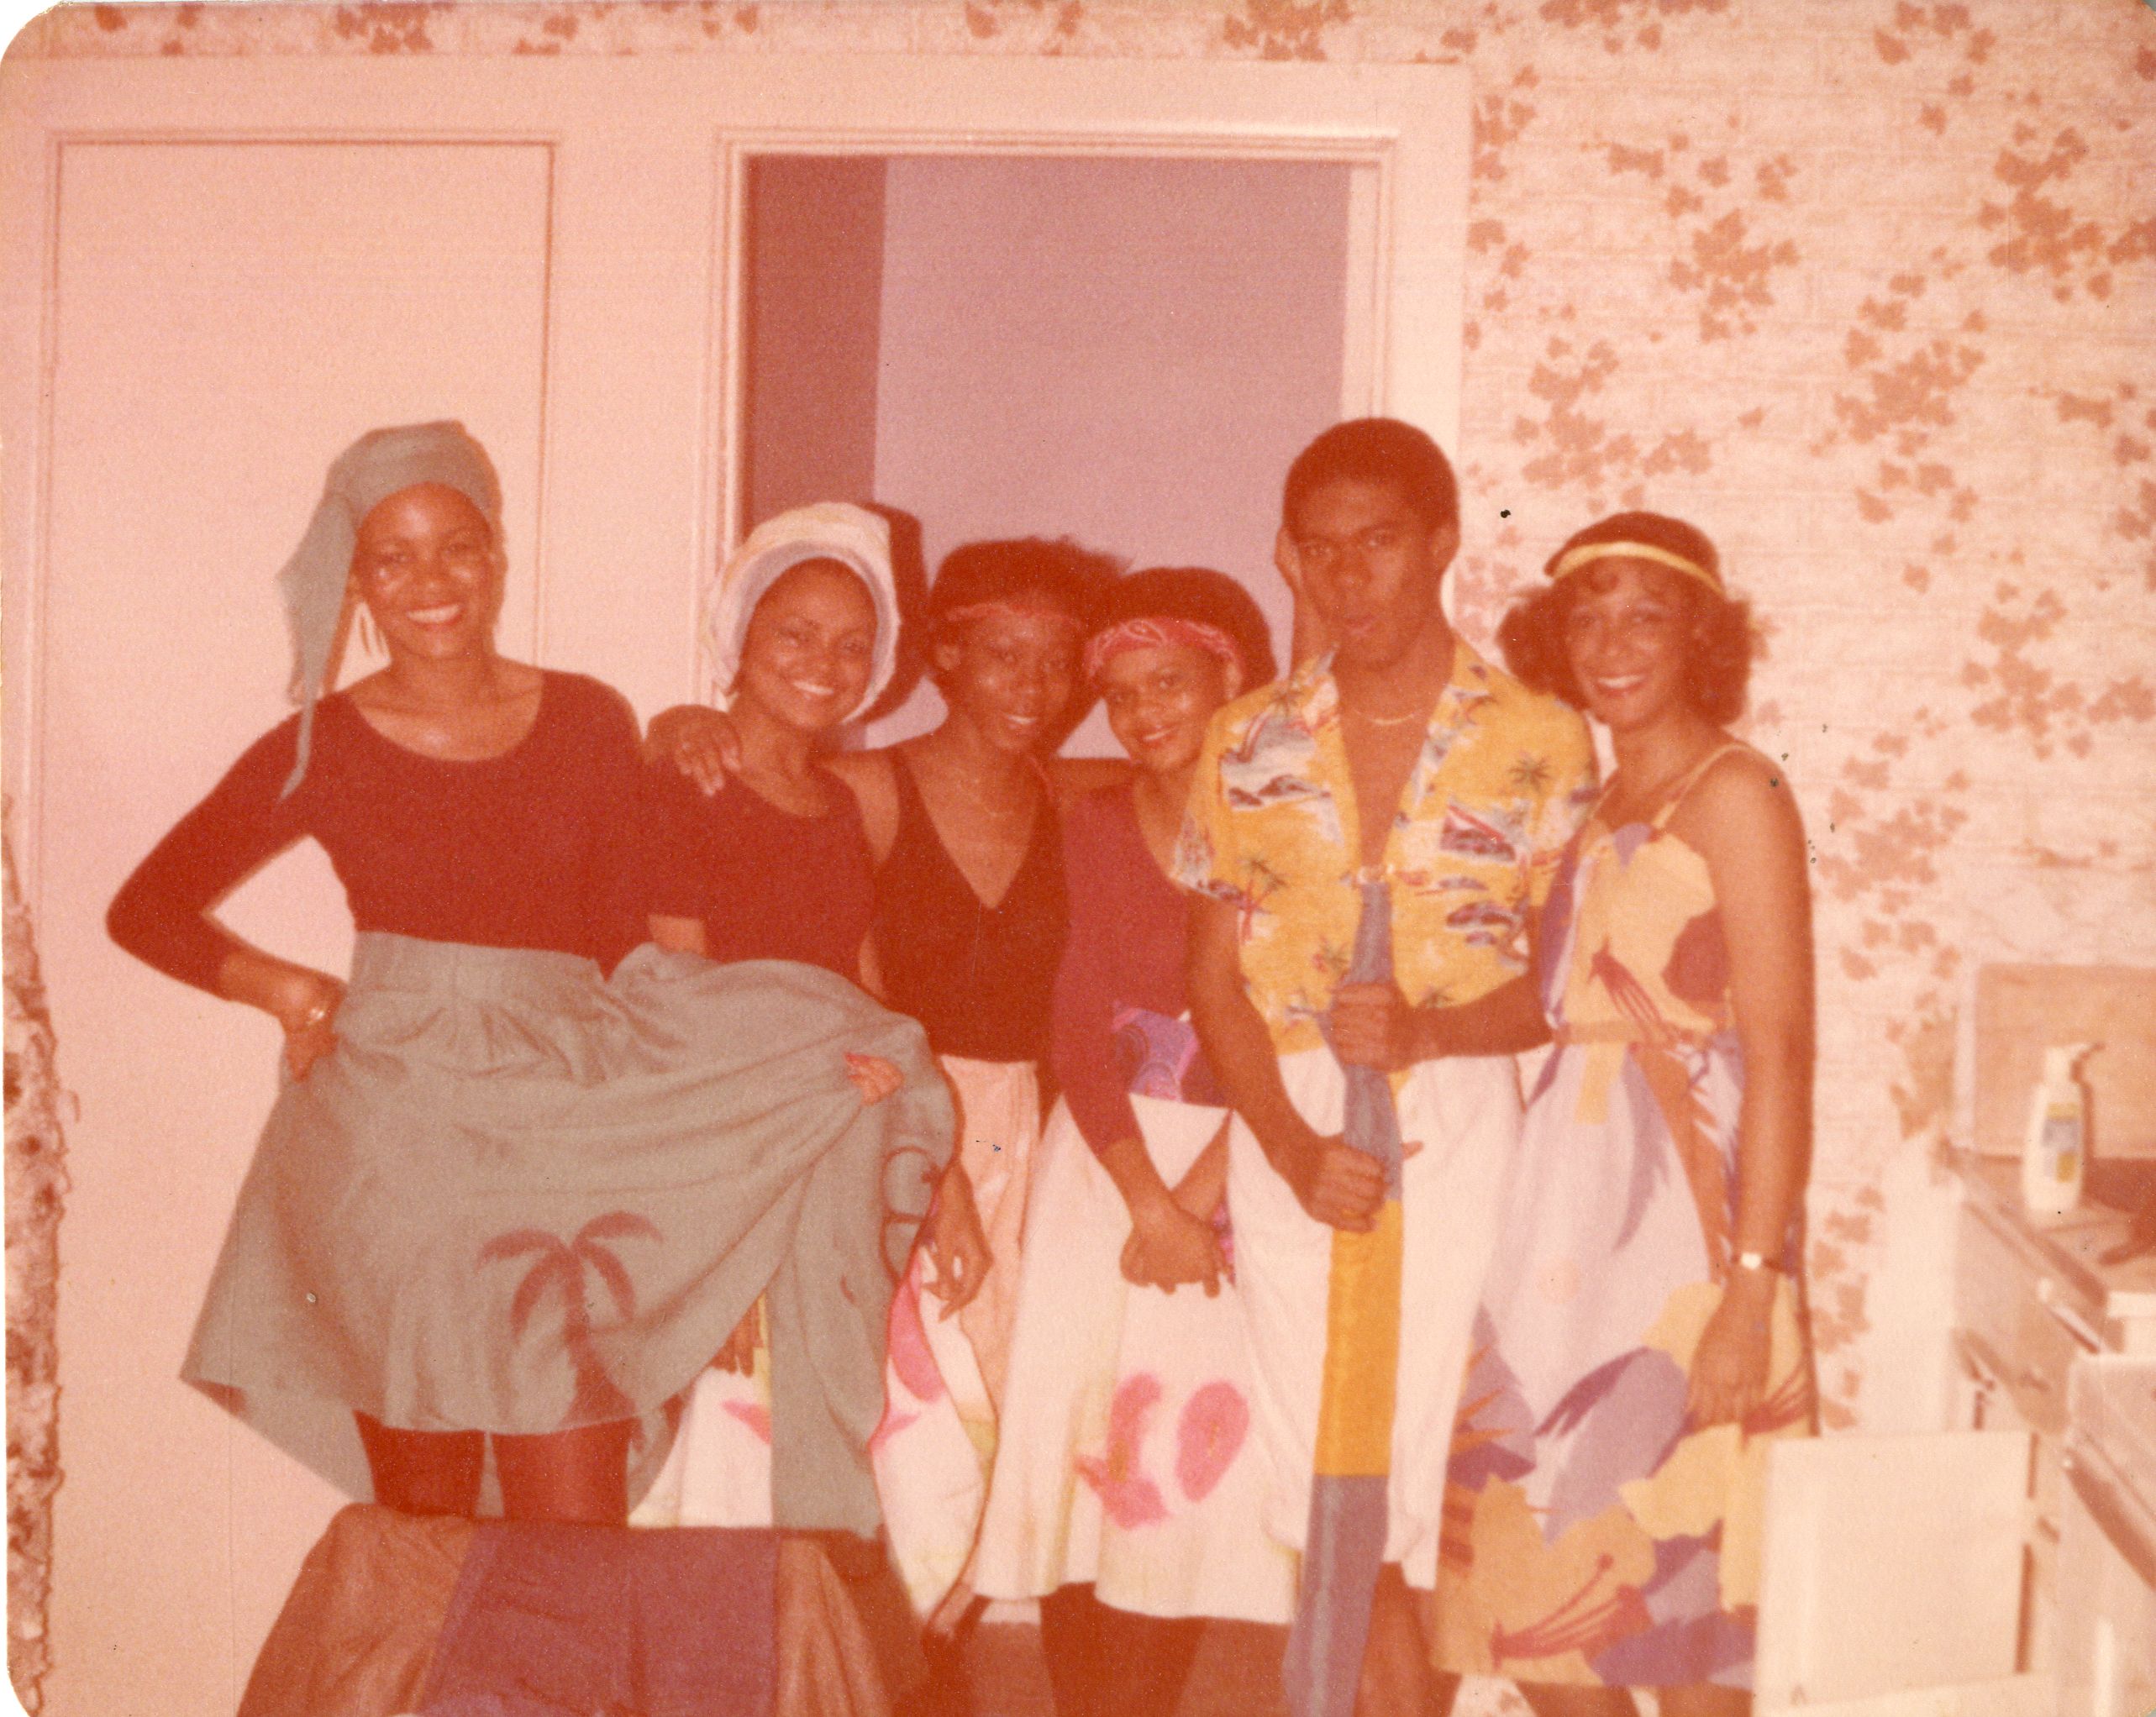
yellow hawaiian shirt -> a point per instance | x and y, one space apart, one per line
1504 778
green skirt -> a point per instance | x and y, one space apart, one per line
521 1198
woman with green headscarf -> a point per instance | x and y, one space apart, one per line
503 1193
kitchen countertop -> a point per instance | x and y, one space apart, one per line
2071 1247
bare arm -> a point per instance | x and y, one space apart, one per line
1204 1185
1334 1183
1505 1021
951 1237
1747 829
1374 1026
1237 1044
1742 819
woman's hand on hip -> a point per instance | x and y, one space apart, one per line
309 1014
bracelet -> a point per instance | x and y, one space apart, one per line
1757 1261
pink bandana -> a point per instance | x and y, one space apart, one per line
1151 634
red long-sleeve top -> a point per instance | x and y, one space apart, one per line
522 850
1119 994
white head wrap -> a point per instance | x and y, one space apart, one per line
828 530
312 583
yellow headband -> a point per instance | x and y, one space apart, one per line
1572 559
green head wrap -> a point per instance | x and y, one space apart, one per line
312 584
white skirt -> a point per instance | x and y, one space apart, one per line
1466 1114
1128 1455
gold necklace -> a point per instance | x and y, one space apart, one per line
1363 716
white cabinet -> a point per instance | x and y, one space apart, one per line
1894 1578
2107 1633
2003 1566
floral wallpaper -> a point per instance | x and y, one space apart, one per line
37 1180
1862 287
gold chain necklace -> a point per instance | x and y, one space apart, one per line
1422 715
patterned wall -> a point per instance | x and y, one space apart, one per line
37 1183
1863 287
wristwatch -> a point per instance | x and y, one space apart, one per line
1755 1261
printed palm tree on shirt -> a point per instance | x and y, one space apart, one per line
563 1264
1260 881
1530 774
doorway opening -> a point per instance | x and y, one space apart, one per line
1124 349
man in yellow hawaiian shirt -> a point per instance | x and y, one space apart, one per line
1399 775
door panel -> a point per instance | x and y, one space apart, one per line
227 316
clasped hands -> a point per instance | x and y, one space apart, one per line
1172 1243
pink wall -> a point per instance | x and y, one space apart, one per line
1125 351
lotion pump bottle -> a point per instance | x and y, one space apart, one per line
2055 1154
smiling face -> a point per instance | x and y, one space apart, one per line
1158 700
1009 672
426 565
810 649
1368 565
1627 637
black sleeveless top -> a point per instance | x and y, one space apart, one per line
980 981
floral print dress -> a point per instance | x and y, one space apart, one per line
1594 1534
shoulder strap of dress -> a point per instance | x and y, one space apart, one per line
1691 779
